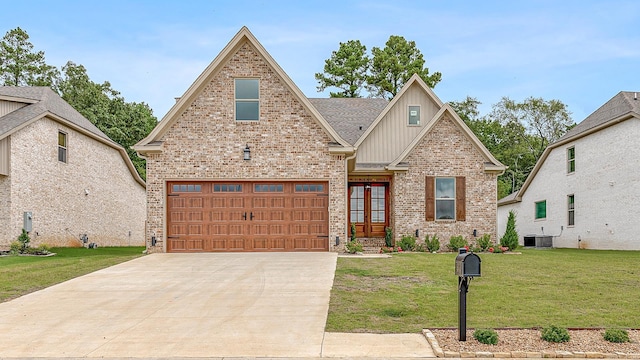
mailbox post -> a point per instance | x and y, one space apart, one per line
467 267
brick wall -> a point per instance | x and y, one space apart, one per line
5 193
445 151
112 214
206 143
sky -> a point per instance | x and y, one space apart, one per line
579 52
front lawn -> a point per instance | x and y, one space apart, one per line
409 292
21 275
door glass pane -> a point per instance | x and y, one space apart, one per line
378 200
356 203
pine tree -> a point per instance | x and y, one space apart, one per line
510 237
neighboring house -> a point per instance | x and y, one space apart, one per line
61 177
585 188
245 162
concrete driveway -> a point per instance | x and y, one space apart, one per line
178 305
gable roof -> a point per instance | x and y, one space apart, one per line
350 117
492 163
43 102
623 106
153 143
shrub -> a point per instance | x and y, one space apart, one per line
432 244
457 242
510 237
486 336
616 335
15 248
484 243
388 237
408 243
555 334
24 239
354 246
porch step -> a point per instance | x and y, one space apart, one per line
371 245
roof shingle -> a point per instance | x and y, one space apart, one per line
349 117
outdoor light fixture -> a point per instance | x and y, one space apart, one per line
417 233
337 240
475 232
247 153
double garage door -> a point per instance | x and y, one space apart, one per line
247 216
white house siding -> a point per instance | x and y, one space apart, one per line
606 186
111 214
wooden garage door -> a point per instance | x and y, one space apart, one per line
247 216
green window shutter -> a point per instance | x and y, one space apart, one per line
541 210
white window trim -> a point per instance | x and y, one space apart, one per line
409 115
65 147
435 196
570 160
235 100
571 210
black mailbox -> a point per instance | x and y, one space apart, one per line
468 265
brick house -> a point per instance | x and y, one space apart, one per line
593 170
61 177
244 161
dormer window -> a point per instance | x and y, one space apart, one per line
247 96
414 115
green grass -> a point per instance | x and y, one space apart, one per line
564 287
21 275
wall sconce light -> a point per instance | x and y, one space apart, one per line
247 152
475 232
337 240
418 233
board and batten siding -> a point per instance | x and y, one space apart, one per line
7 107
5 155
393 133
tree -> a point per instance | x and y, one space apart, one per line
545 121
508 142
392 67
125 123
20 65
510 237
346 69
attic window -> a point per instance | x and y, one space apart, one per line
414 115
247 96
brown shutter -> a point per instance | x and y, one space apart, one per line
430 200
461 199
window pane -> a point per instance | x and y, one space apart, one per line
445 209
247 110
62 154
62 139
414 115
445 188
541 210
247 88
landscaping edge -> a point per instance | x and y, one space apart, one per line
521 354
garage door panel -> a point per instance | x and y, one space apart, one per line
247 216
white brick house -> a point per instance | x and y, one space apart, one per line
585 188
245 162
71 178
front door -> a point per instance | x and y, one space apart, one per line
368 204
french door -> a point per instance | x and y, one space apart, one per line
368 208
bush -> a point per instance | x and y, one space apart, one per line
388 237
15 248
486 336
432 244
555 334
510 237
354 246
457 242
421 248
616 335
484 243
24 239
408 243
